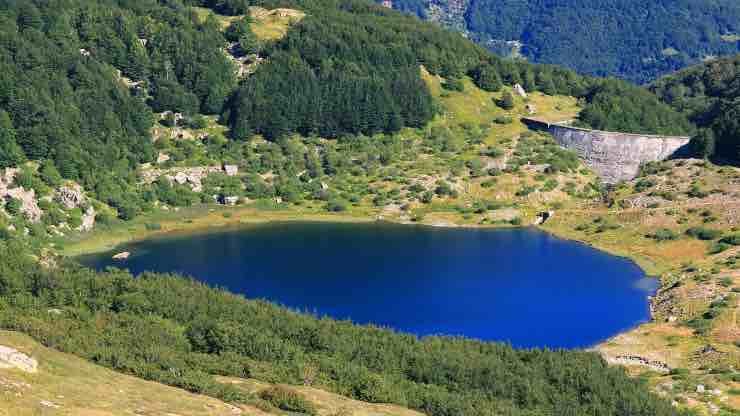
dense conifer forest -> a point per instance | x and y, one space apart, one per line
636 40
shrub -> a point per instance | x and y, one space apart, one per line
718 248
702 233
643 184
453 84
503 120
336 206
13 206
663 234
153 226
286 399
506 102
733 239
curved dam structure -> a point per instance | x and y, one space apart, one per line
615 157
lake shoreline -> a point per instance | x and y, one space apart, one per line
197 221
227 251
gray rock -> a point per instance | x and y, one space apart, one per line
70 196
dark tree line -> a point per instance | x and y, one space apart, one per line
709 95
632 39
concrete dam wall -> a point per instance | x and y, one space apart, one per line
615 157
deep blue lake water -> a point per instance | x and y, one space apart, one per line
521 286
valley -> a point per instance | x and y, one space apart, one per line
124 123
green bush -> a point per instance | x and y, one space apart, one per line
453 84
733 239
663 234
702 233
287 399
13 206
153 226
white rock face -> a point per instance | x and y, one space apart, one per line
231 170
12 358
88 220
519 90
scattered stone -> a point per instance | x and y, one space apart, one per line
654 365
47 403
531 109
700 388
122 255
231 200
54 311
12 358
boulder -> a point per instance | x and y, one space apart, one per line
519 90
122 255
231 170
162 157
70 196
12 358
88 220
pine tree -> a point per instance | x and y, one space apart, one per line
10 153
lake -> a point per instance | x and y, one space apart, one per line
521 286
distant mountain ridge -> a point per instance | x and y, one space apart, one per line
635 40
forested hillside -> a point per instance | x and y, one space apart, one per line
179 332
83 83
636 40
709 94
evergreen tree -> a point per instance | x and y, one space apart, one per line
10 153
487 78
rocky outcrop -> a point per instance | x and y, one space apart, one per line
193 176
654 365
71 196
12 358
88 220
29 204
614 157
190 176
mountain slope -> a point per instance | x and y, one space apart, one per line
67 385
709 94
631 39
